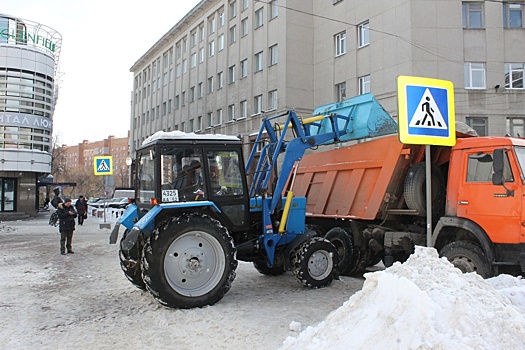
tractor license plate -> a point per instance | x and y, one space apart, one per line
170 196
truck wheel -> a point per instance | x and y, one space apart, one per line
344 245
276 270
467 257
314 263
190 262
415 189
130 262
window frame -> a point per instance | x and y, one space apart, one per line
340 43
471 71
510 69
469 9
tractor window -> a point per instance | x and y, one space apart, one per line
479 168
146 177
181 174
225 175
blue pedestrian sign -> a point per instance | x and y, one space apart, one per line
103 165
426 111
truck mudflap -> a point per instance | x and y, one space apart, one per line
146 224
127 220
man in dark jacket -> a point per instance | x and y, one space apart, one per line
66 215
82 207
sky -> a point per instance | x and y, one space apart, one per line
101 40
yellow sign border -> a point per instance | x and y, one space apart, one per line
402 112
109 158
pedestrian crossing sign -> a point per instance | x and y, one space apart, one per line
103 165
426 111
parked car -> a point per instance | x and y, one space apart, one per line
103 203
119 203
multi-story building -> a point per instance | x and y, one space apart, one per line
78 161
227 63
29 54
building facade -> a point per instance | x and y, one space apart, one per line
29 56
78 164
227 63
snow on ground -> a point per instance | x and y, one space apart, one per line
83 301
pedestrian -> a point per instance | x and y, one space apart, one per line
56 199
82 207
66 214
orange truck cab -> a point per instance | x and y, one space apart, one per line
369 200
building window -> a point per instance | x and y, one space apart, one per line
514 75
473 15
209 120
193 60
515 127
192 94
200 91
244 109
259 18
231 113
274 9
192 129
221 42
219 116
244 4
233 34
233 9
478 124
221 18
274 55
231 74
244 68
220 80
244 27
178 69
475 76
211 48
364 34
258 62
201 33
193 38
211 25
272 100
257 104
340 44
184 66
201 54
512 15
210 85
177 102
183 98
340 91
364 84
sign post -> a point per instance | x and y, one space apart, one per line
426 116
103 166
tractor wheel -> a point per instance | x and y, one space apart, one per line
344 245
314 263
276 270
190 262
130 262
467 257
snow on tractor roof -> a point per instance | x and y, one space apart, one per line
179 135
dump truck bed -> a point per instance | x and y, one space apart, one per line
360 181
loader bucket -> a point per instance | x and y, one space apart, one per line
360 116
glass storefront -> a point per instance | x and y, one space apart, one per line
8 187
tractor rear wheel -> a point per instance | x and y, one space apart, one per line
189 262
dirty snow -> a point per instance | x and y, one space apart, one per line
83 301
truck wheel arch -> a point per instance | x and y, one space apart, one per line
448 227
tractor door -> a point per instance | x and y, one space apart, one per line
227 184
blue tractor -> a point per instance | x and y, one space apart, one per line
198 209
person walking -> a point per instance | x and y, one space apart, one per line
66 215
82 207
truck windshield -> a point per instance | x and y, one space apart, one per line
520 153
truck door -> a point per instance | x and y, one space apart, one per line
228 188
488 205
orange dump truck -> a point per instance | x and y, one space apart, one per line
369 200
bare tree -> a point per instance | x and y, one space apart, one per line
58 158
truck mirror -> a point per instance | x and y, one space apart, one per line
497 165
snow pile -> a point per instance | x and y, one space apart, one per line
424 303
